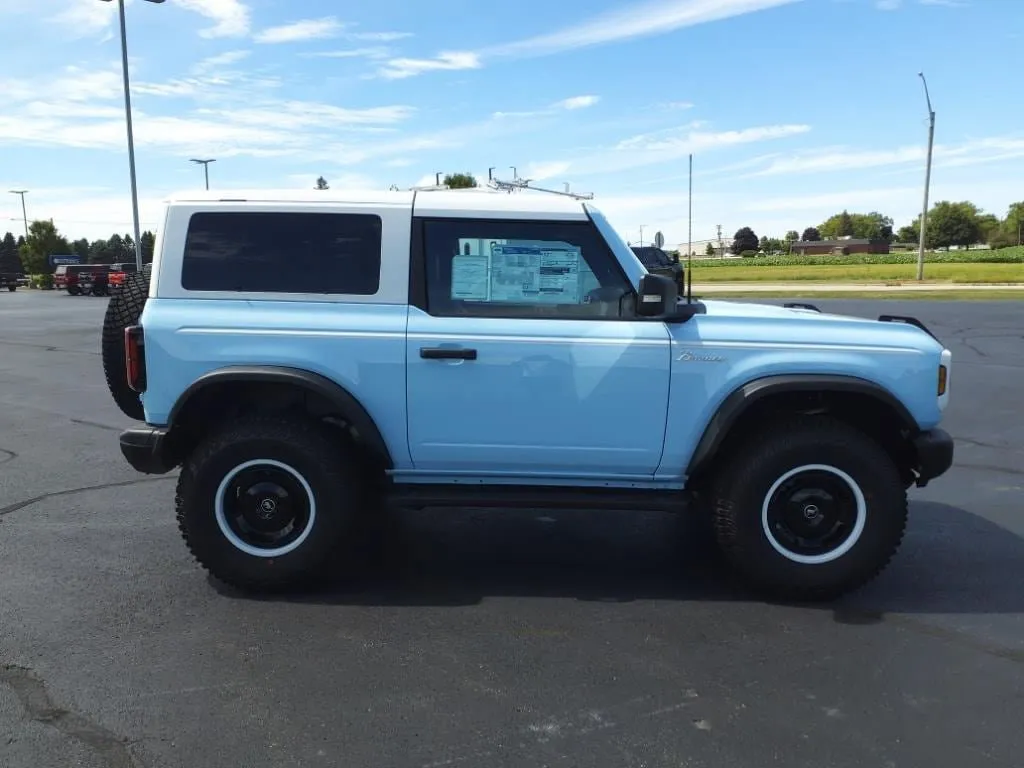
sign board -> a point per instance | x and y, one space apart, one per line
57 259
659 240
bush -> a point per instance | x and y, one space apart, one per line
43 282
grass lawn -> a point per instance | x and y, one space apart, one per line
867 273
947 295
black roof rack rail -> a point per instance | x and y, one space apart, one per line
801 305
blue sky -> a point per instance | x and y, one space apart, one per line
794 109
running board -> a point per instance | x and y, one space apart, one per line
536 497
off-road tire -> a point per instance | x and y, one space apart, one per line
12 288
124 310
740 504
306 447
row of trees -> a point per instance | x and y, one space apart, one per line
950 224
31 255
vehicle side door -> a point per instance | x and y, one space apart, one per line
525 357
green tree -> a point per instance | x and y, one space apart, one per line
909 233
710 250
42 242
811 235
321 183
764 243
10 261
745 239
952 223
148 240
791 237
1010 230
100 252
460 181
81 249
869 226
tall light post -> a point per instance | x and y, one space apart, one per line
24 215
128 122
206 169
927 180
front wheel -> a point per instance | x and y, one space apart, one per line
263 503
810 509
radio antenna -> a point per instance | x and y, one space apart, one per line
689 251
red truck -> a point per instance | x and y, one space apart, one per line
78 279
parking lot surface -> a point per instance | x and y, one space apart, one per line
477 638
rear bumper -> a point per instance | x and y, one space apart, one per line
143 448
934 450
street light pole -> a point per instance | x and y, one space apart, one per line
128 122
24 215
927 180
206 169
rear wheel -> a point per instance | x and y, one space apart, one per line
12 288
809 509
264 502
125 309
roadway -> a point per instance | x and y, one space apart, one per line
494 639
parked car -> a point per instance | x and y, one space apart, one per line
10 281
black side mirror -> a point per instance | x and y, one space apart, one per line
658 296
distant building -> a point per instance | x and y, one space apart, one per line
839 247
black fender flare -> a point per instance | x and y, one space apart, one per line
746 395
348 406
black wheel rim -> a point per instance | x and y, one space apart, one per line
266 507
812 513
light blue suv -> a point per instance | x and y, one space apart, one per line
306 357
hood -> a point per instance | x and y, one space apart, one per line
766 323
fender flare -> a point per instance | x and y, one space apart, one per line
346 403
746 395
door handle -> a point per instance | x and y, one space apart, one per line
447 353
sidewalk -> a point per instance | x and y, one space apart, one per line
808 286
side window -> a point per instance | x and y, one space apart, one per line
524 269
326 253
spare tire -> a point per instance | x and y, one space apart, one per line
125 309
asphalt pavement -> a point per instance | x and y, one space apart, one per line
475 638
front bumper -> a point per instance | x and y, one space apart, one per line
145 449
934 450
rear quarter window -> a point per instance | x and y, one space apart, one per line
317 253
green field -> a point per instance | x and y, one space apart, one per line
1001 256
866 273
965 294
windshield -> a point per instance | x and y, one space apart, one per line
630 263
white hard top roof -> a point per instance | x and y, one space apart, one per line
482 201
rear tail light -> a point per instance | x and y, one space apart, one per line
135 358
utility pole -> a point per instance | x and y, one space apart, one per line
642 235
437 179
206 169
24 215
515 173
721 247
927 180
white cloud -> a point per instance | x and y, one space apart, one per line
82 18
307 29
220 60
375 52
973 152
231 17
654 17
578 102
545 171
379 37
396 69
